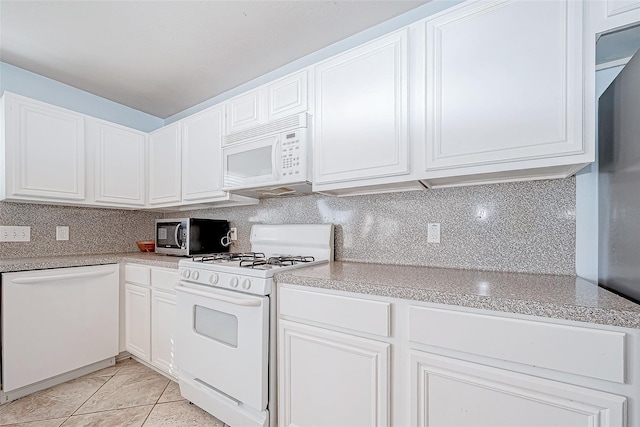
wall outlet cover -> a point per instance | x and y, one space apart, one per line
62 232
433 232
15 234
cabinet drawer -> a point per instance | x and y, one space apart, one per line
164 279
582 351
137 274
361 315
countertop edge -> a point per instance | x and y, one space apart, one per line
25 264
594 315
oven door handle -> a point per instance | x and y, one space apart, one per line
253 302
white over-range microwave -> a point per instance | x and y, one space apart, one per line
268 165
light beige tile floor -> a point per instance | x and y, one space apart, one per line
128 394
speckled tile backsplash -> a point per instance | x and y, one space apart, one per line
91 230
521 227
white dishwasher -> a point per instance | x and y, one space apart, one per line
55 321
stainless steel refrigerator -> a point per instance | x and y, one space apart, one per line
619 183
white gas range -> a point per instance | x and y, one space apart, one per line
225 340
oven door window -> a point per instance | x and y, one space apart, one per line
218 326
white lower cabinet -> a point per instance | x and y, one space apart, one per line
331 378
331 371
163 319
451 392
138 321
150 312
348 360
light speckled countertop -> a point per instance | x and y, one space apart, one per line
23 264
561 297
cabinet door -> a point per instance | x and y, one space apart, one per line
45 151
327 378
202 154
165 165
608 15
361 112
504 83
447 391
244 111
137 302
163 319
287 96
119 165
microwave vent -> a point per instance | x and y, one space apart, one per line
276 126
278 191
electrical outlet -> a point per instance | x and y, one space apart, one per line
433 232
15 234
233 234
62 232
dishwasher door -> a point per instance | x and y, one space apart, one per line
55 321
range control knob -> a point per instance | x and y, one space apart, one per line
246 283
213 279
233 282
195 275
186 274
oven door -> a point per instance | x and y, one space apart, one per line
222 341
251 164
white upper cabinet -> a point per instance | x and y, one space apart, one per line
44 151
504 91
287 96
607 15
201 154
185 164
245 111
119 164
361 123
281 98
165 166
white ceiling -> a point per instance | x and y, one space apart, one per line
162 57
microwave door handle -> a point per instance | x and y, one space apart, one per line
177 235
276 155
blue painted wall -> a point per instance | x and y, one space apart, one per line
23 82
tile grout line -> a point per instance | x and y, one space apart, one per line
8 404
94 393
154 405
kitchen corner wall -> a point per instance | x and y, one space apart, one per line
91 231
523 227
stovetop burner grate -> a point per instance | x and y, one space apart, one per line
230 256
278 261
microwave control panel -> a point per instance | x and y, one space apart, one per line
294 155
